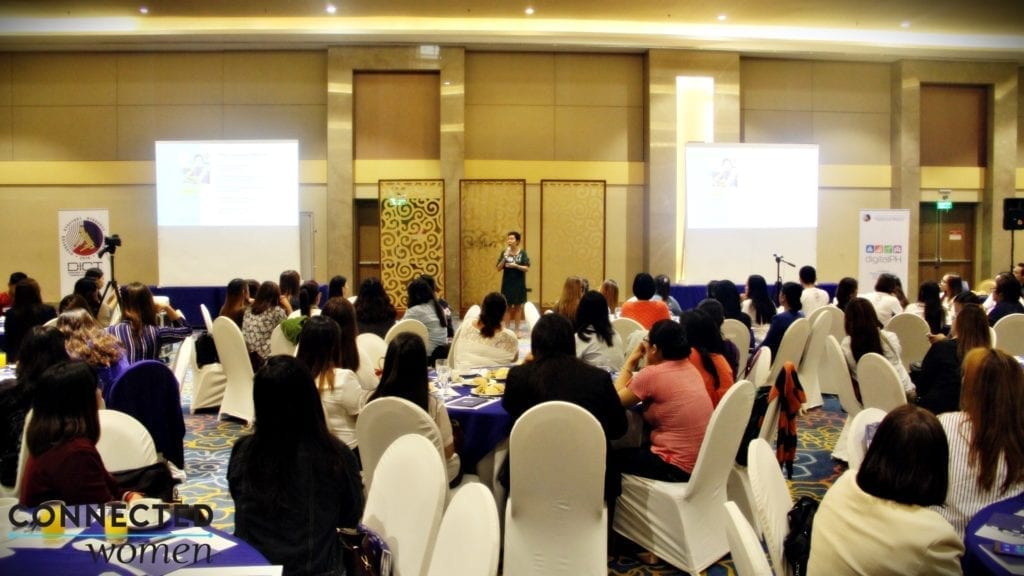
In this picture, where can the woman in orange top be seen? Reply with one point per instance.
(707, 353)
(643, 309)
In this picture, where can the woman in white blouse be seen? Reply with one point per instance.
(340, 393)
(485, 342)
(597, 343)
(864, 334)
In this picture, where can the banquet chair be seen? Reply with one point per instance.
(855, 446)
(182, 358)
(625, 327)
(531, 314)
(51, 323)
(555, 516)
(760, 366)
(234, 358)
(771, 500)
(838, 373)
(912, 332)
(809, 369)
(383, 421)
(879, 384)
(791, 349)
(738, 484)
(838, 330)
(371, 349)
(736, 332)
(207, 319)
(208, 384)
(125, 444)
(683, 523)
(148, 391)
(1010, 334)
(469, 539)
(470, 317)
(280, 344)
(407, 325)
(744, 545)
(404, 505)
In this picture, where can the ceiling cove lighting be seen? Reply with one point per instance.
(529, 10)
(330, 9)
(722, 17)
(143, 10)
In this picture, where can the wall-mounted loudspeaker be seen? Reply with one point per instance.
(1013, 214)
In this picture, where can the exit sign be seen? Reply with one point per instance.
(944, 205)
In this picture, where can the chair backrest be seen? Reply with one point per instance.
(747, 555)
(234, 359)
(404, 505)
(371, 349)
(22, 456)
(721, 440)
(407, 325)
(855, 446)
(52, 322)
(280, 344)
(762, 364)
(183, 358)
(838, 321)
(556, 496)
(469, 540)
(737, 332)
(124, 442)
(625, 327)
(207, 319)
(879, 383)
(810, 364)
(148, 391)
(383, 421)
(791, 349)
(531, 314)
(912, 332)
(772, 501)
(839, 374)
(1009, 332)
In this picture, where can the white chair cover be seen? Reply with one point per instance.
(855, 447)
(51, 323)
(384, 420)
(912, 332)
(879, 383)
(762, 363)
(738, 487)
(404, 505)
(737, 332)
(838, 330)
(1010, 334)
(279, 344)
(556, 521)
(183, 357)
(207, 319)
(208, 384)
(771, 500)
(791, 349)
(684, 523)
(124, 442)
(625, 327)
(371, 350)
(838, 373)
(469, 540)
(234, 358)
(407, 325)
(809, 369)
(745, 546)
(531, 314)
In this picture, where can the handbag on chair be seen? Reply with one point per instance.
(364, 552)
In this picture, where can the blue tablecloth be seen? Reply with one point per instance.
(482, 428)
(979, 561)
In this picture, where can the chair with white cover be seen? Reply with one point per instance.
(124, 444)
(879, 383)
(625, 327)
(407, 325)
(51, 323)
(771, 500)
(791, 349)
(838, 331)
(371, 349)
(469, 519)
(760, 366)
(280, 344)
(183, 356)
(912, 332)
(234, 358)
(207, 319)
(556, 521)
(405, 504)
(738, 486)
(855, 446)
(1010, 334)
(684, 523)
(837, 372)
(809, 369)
(208, 384)
(737, 332)
(383, 421)
(530, 314)
(744, 545)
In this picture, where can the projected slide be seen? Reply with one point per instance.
(226, 209)
(744, 204)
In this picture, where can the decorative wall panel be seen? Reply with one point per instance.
(489, 210)
(411, 234)
(572, 235)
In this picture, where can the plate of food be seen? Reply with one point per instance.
(500, 374)
(487, 388)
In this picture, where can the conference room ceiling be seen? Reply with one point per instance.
(833, 29)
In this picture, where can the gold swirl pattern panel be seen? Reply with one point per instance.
(572, 234)
(411, 234)
(489, 210)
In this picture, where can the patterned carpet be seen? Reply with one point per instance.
(208, 444)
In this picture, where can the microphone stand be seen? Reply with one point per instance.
(779, 261)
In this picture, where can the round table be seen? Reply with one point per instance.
(978, 555)
(482, 427)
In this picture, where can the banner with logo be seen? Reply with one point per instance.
(80, 234)
(884, 237)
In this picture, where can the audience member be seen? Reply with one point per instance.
(951, 285)
(864, 334)
(27, 311)
(309, 298)
(108, 297)
(884, 298)
(424, 307)
(663, 290)
(86, 289)
(597, 343)
(338, 286)
(572, 291)
(1006, 296)
(846, 290)
(485, 342)
(707, 353)
(610, 291)
(85, 340)
(938, 381)
(812, 297)
(929, 307)
(138, 330)
(340, 393)
(441, 301)
(715, 311)
(645, 310)
(790, 301)
(758, 305)
(343, 312)
(289, 283)
(236, 302)
(374, 311)
(268, 309)
(7, 298)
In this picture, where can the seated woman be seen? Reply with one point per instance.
(86, 341)
(951, 285)
(289, 282)
(986, 438)
(572, 291)
(441, 302)
(268, 310)
(341, 311)
(342, 396)
(707, 353)
(338, 286)
(885, 299)
(42, 347)
(1006, 296)
(864, 334)
(374, 310)
(714, 310)
(938, 381)
(677, 406)
(846, 290)
(405, 376)
(292, 463)
(791, 305)
(876, 520)
(309, 298)
(236, 302)
(87, 290)
(27, 311)
(610, 291)
(597, 343)
(486, 342)
(424, 307)
(63, 463)
(758, 305)
(663, 288)
(645, 310)
(929, 307)
(138, 330)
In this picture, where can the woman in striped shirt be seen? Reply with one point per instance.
(138, 330)
(986, 438)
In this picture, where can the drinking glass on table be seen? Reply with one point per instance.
(115, 521)
(51, 519)
(443, 375)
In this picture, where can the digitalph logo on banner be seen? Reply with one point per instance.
(883, 253)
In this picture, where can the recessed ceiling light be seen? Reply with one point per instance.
(529, 10)
(905, 24)
(143, 10)
(330, 9)
(722, 17)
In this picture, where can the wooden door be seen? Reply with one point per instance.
(368, 239)
(946, 244)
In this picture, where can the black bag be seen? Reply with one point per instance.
(206, 351)
(797, 546)
(364, 553)
(155, 481)
(754, 423)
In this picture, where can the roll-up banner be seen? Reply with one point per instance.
(884, 238)
(80, 235)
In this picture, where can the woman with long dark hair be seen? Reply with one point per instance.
(342, 396)
(138, 330)
(424, 307)
(289, 283)
(929, 307)
(707, 353)
(759, 306)
(309, 298)
(864, 334)
(269, 309)
(938, 382)
(27, 311)
(338, 286)
(374, 310)
(846, 290)
(341, 311)
(486, 342)
(236, 302)
(293, 483)
(951, 285)
(597, 343)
